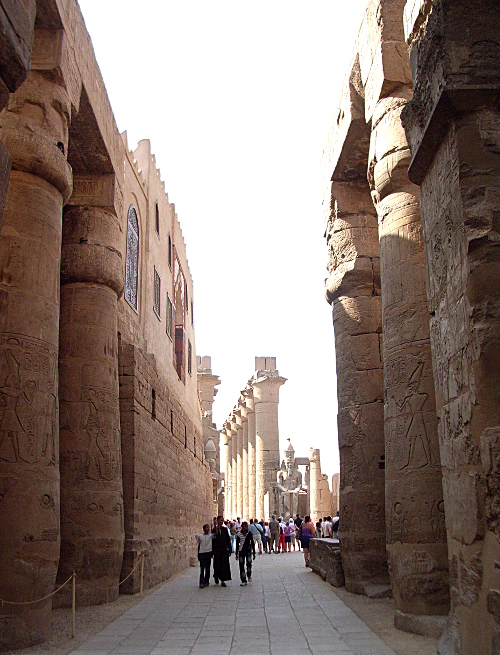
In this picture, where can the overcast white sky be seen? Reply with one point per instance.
(237, 99)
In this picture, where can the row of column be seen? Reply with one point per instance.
(251, 439)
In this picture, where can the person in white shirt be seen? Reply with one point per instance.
(205, 555)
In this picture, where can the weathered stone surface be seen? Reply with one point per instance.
(325, 560)
(30, 251)
(452, 127)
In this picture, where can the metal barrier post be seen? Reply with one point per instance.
(142, 573)
(73, 605)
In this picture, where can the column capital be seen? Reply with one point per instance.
(248, 399)
(266, 386)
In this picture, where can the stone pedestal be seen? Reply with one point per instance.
(416, 538)
(244, 420)
(265, 385)
(353, 289)
(92, 530)
(30, 250)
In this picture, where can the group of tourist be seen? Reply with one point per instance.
(244, 538)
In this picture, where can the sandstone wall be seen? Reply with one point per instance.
(167, 485)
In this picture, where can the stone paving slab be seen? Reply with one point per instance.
(286, 608)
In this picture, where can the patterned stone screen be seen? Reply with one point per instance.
(132, 266)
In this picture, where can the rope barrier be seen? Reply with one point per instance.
(73, 579)
(38, 600)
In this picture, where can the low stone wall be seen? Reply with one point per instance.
(325, 560)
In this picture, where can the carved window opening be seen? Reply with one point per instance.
(170, 317)
(185, 437)
(179, 319)
(153, 404)
(192, 313)
(132, 258)
(169, 251)
(157, 293)
(190, 354)
(172, 421)
(157, 218)
(186, 296)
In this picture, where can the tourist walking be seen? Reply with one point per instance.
(307, 532)
(297, 522)
(232, 532)
(245, 552)
(256, 531)
(282, 534)
(292, 532)
(221, 547)
(205, 555)
(288, 536)
(274, 534)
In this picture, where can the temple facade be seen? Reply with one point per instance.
(101, 437)
(411, 196)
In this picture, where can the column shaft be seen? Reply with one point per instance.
(228, 474)
(92, 534)
(252, 509)
(246, 509)
(353, 288)
(414, 496)
(239, 466)
(234, 470)
(30, 253)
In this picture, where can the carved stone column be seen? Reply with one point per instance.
(92, 530)
(353, 289)
(239, 461)
(234, 470)
(244, 420)
(416, 539)
(314, 486)
(249, 402)
(228, 482)
(17, 22)
(265, 385)
(455, 144)
(34, 128)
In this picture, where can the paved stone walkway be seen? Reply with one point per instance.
(285, 610)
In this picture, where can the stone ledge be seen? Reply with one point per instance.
(427, 626)
(325, 561)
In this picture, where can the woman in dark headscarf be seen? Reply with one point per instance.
(221, 546)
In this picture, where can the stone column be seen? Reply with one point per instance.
(228, 474)
(265, 385)
(16, 41)
(239, 461)
(249, 402)
(353, 289)
(244, 421)
(314, 486)
(234, 470)
(455, 146)
(35, 122)
(92, 530)
(414, 496)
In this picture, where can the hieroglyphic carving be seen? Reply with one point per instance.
(28, 405)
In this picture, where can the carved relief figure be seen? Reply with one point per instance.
(15, 443)
(413, 450)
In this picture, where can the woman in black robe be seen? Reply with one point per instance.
(221, 547)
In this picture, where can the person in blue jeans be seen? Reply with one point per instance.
(205, 555)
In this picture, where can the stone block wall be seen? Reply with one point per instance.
(325, 560)
(166, 482)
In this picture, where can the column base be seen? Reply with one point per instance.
(425, 625)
